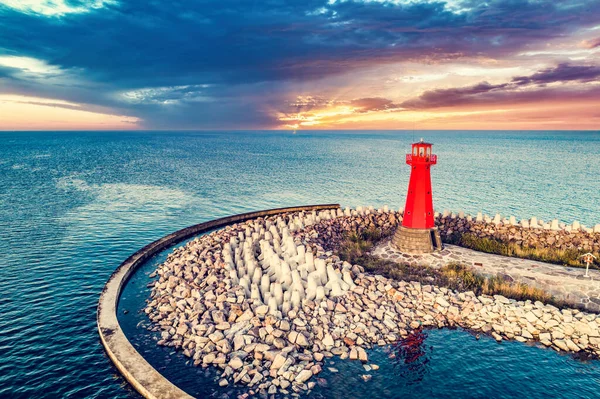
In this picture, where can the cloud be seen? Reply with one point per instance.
(373, 104)
(52, 114)
(454, 96)
(591, 43)
(520, 89)
(306, 103)
(358, 105)
(564, 72)
(26, 64)
(146, 44)
(55, 8)
(167, 95)
(189, 64)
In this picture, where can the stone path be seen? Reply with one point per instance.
(564, 283)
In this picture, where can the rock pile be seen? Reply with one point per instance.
(266, 301)
(531, 233)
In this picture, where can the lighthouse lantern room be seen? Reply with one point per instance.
(418, 233)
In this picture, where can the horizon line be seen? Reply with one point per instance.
(295, 130)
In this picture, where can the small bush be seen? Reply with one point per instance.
(356, 245)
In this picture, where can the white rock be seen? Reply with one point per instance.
(442, 302)
(261, 310)
(328, 341)
(278, 361)
(303, 376)
(497, 219)
(236, 363)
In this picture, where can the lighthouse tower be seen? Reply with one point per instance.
(418, 234)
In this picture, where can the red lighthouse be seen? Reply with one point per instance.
(418, 233)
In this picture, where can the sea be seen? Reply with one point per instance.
(74, 205)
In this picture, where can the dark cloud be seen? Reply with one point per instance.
(235, 45)
(506, 93)
(372, 104)
(451, 97)
(6, 72)
(562, 73)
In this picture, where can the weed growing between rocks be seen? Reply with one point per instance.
(566, 257)
(356, 247)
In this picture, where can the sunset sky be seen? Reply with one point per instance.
(299, 64)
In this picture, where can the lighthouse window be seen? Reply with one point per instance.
(421, 151)
(415, 151)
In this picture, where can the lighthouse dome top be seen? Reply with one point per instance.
(423, 143)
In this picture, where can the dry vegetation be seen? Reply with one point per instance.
(356, 246)
(566, 257)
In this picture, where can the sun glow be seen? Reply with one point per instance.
(346, 115)
(16, 111)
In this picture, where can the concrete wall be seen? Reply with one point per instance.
(134, 368)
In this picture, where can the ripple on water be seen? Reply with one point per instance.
(70, 218)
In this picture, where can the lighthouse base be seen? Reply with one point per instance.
(417, 241)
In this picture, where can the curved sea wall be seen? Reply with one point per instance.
(531, 233)
(134, 368)
(265, 299)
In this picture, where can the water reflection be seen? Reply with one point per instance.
(411, 356)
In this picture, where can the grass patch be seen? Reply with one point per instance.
(356, 246)
(565, 257)
(462, 277)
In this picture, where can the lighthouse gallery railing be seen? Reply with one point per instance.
(431, 159)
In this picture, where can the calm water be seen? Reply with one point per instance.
(74, 205)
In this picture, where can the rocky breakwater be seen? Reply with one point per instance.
(531, 233)
(265, 302)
